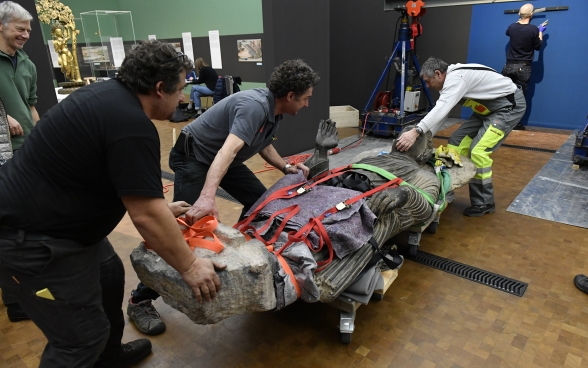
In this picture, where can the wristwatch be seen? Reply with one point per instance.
(419, 130)
(285, 169)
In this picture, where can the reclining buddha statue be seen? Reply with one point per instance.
(310, 238)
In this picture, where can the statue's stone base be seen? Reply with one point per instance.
(247, 284)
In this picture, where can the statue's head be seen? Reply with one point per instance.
(421, 150)
(57, 31)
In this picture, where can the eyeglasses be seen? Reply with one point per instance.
(180, 54)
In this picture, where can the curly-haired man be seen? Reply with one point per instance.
(92, 158)
(210, 152)
(211, 149)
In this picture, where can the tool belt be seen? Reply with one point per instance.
(184, 144)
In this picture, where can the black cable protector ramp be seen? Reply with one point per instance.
(471, 273)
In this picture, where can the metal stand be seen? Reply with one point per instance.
(386, 122)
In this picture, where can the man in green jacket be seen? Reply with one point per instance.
(18, 75)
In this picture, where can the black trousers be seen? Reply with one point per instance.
(519, 74)
(84, 323)
(190, 175)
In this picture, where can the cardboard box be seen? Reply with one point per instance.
(345, 116)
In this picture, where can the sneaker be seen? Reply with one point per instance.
(15, 313)
(478, 211)
(133, 352)
(581, 283)
(145, 317)
(519, 127)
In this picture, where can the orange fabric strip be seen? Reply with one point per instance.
(288, 270)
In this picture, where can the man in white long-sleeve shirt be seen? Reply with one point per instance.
(497, 104)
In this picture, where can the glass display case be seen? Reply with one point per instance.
(108, 36)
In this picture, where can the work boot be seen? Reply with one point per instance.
(15, 313)
(581, 283)
(145, 317)
(478, 211)
(133, 352)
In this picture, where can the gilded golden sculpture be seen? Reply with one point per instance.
(63, 29)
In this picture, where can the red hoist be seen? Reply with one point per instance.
(416, 11)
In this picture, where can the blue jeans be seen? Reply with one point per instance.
(84, 324)
(197, 91)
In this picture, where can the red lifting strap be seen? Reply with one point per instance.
(314, 224)
(288, 192)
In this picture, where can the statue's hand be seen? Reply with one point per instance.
(327, 135)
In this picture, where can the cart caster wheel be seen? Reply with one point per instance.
(413, 249)
(345, 338)
(432, 228)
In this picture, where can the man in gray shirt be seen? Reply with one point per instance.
(210, 152)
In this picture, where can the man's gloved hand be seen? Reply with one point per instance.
(455, 156)
(448, 156)
(439, 152)
(542, 27)
(444, 162)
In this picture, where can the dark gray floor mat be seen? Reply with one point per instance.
(558, 192)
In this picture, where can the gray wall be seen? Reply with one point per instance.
(299, 30)
(362, 37)
(37, 51)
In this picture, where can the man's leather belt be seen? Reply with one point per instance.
(184, 143)
(518, 62)
(14, 234)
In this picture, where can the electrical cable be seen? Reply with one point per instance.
(292, 160)
(166, 187)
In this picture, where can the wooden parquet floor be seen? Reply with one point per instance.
(427, 318)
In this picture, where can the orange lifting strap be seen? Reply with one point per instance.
(195, 235)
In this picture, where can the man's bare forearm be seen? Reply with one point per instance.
(272, 157)
(220, 165)
(35, 114)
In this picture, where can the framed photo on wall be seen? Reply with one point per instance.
(249, 50)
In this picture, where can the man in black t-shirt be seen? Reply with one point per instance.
(525, 38)
(93, 157)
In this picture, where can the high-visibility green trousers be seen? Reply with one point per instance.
(478, 137)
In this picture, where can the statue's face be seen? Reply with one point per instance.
(14, 35)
